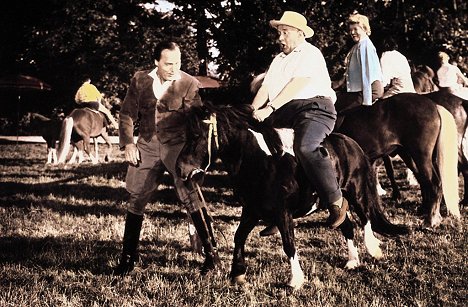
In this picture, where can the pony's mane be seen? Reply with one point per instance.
(233, 118)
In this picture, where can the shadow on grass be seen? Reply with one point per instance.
(97, 257)
(68, 184)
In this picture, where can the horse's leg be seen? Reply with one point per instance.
(431, 187)
(96, 147)
(76, 151)
(286, 227)
(106, 138)
(464, 171)
(380, 190)
(371, 242)
(411, 178)
(86, 145)
(238, 268)
(347, 229)
(49, 155)
(391, 176)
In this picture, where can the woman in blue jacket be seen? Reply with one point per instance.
(364, 81)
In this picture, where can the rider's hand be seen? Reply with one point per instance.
(262, 114)
(132, 155)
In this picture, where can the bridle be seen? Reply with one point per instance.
(212, 133)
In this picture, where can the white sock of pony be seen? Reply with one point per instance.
(297, 275)
(353, 255)
(371, 242)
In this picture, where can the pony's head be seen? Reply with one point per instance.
(220, 130)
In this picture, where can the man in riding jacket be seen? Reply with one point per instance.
(157, 99)
(296, 93)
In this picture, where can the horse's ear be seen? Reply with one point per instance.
(202, 111)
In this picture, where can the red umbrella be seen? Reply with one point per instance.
(21, 83)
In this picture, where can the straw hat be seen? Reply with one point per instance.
(295, 20)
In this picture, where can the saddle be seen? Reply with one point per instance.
(287, 139)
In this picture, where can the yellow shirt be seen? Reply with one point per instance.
(87, 93)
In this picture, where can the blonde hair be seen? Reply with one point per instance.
(444, 57)
(362, 20)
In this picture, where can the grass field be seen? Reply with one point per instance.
(61, 230)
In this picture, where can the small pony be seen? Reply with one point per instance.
(49, 129)
(272, 186)
(78, 128)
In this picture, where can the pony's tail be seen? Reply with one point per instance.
(65, 138)
(447, 160)
(375, 211)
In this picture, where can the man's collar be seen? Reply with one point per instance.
(153, 74)
(297, 49)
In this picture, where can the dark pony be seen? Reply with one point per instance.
(79, 127)
(272, 187)
(423, 134)
(49, 129)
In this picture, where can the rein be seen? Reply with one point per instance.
(212, 132)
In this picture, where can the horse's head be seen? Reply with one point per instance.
(201, 143)
(209, 130)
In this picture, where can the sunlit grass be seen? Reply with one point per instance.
(61, 230)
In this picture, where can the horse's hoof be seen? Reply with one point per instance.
(377, 254)
(239, 280)
(381, 190)
(352, 264)
(433, 222)
(296, 283)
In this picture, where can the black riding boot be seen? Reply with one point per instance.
(131, 238)
(202, 221)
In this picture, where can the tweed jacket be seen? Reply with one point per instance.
(163, 117)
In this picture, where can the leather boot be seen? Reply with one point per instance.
(337, 214)
(131, 238)
(202, 221)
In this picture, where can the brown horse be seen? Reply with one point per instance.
(423, 134)
(458, 108)
(79, 127)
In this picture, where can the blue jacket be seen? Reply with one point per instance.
(363, 68)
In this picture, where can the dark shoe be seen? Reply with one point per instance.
(211, 262)
(337, 214)
(269, 231)
(125, 266)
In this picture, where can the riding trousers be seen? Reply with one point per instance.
(347, 101)
(312, 121)
(143, 179)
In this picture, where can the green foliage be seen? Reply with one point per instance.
(112, 39)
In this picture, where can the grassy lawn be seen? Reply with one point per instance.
(61, 229)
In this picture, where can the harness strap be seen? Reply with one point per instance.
(212, 132)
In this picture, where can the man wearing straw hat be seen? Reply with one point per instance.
(296, 93)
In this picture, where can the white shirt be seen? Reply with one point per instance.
(395, 66)
(160, 88)
(448, 76)
(305, 60)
